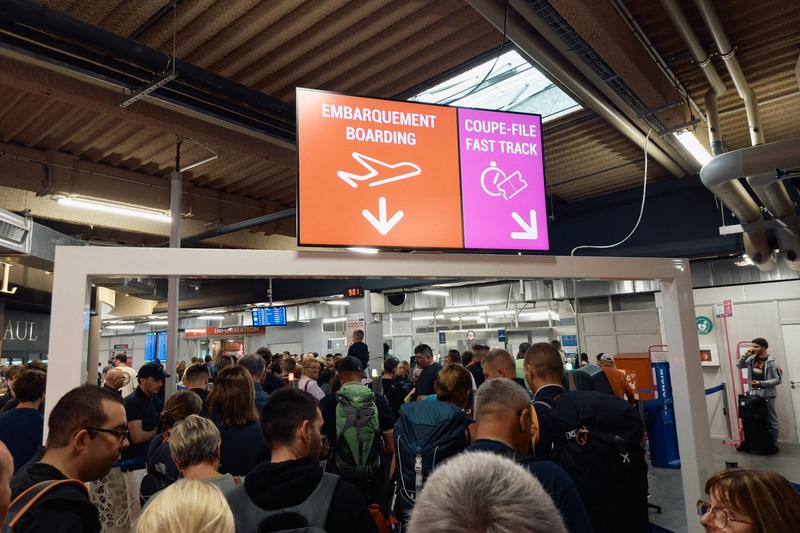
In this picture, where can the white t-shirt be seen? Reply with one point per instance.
(310, 386)
(130, 380)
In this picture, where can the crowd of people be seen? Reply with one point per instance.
(279, 442)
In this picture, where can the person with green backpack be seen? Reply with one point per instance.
(358, 426)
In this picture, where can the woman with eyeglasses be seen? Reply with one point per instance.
(749, 501)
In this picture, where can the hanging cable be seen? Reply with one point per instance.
(491, 70)
(641, 209)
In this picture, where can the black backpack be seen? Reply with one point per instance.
(28, 499)
(598, 441)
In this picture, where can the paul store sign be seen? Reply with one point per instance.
(25, 332)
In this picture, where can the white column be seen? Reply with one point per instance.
(173, 285)
(69, 327)
(93, 348)
(691, 416)
(373, 331)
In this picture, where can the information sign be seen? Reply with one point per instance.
(396, 174)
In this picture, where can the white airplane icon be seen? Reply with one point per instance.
(370, 163)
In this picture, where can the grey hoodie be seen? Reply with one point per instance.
(772, 375)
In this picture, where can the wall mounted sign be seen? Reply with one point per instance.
(393, 174)
(725, 309)
(708, 356)
(224, 332)
(704, 325)
(121, 346)
(354, 322)
(25, 332)
(4, 288)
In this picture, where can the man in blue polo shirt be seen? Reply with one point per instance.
(143, 408)
(502, 410)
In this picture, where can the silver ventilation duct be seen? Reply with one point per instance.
(769, 189)
(759, 162)
(729, 191)
(31, 244)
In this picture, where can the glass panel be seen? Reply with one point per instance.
(507, 82)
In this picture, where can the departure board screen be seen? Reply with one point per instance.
(269, 316)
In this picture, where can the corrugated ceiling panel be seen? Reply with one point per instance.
(381, 48)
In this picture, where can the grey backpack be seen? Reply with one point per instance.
(313, 511)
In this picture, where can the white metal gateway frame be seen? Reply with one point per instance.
(75, 267)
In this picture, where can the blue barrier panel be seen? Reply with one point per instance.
(662, 432)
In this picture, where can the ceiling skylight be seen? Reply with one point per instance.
(507, 83)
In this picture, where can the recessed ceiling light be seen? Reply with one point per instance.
(436, 293)
(466, 309)
(114, 208)
(693, 146)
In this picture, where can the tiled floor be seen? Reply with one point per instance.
(666, 488)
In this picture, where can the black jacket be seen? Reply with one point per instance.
(275, 486)
(67, 509)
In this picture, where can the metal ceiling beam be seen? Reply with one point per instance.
(542, 54)
(606, 79)
(65, 85)
(152, 21)
(24, 168)
(237, 226)
(37, 31)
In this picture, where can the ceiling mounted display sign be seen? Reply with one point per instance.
(392, 174)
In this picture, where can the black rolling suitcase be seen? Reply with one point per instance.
(757, 431)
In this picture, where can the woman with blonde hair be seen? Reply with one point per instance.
(454, 385)
(195, 446)
(232, 407)
(161, 470)
(308, 382)
(749, 501)
(187, 506)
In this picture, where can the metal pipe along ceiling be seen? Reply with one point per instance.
(769, 189)
(728, 190)
(757, 161)
(542, 55)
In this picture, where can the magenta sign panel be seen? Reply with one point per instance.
(502, 180)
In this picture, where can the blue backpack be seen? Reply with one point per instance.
(427, 433)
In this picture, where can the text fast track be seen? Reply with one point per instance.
(409, 175)
(504, 147)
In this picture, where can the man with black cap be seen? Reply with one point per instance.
(142, 408)
(352, 394)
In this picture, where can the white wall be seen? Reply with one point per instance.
(759, 310)
(619, 332)
(310, 335)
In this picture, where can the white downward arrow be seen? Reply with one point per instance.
(531, 231)
(381, 224)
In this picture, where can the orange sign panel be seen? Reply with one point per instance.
(376, 173)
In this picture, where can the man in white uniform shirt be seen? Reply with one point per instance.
(130, 375)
